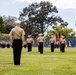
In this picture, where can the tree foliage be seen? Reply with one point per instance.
(2, 27)
(38, 17)
(8, 28)
(59, 30)
(9, 23)
(10, 20)
(64, 24)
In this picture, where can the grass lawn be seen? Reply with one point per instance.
(34, 63)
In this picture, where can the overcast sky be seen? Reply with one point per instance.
(66, 8)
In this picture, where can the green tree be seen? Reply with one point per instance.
(64, 24)
(8, 28)
(9, 23)
(10, 20)
(39, 17)
(59, 30)
(29, 29)
(2, 27)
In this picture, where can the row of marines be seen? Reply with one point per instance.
(40, 42)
